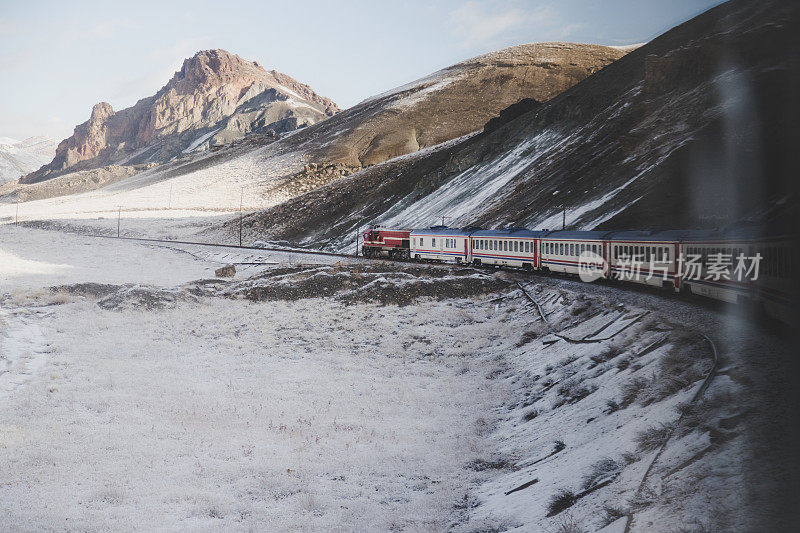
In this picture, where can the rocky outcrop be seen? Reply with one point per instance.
(216, 97)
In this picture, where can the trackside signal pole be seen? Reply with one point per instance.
(563, 216)
(119, 214)
(241, 200)
(16, 217)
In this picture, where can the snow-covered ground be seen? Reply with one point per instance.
(136, 397)
(17, 158)
(208, 188)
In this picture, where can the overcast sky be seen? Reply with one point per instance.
(57, 59)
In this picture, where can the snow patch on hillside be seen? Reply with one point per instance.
(18, 158)
(470, 192)
(200, 140)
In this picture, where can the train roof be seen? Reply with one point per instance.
(671, 235)
(443, 230)
(593, 235)
(523, 233)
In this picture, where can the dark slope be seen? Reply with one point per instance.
(696, 128)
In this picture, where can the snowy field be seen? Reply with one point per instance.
(312, 394)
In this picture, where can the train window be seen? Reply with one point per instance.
(527, 246)
(515, 246)
(505, 246)
(433, 241)
(421, 241)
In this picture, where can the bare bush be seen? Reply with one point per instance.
(632, 389)
(527, 337)
(624, 363)
(653, 437)
(630, 457)
(567, 523)
(530, 415)
(612, 406)
(571, 391)
(611, 514)
(601, 470)
(606, 355)
(563, 499)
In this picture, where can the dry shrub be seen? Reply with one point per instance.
(600, 471)
(527, 337)
(567, 523)
(653, 437)
(632, 389)
(560, 501)
(611, 514)
(530, 415)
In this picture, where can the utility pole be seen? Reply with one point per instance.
(563, 216)
(241, 200)
(16, 217)
(169, 203)
(119, 214)
(357, 230)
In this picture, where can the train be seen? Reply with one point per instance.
(737, 265)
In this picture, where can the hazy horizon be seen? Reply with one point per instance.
(63, 59)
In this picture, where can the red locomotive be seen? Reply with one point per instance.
(379, 242)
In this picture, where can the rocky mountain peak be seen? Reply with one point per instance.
(101, 111)
(214, 67)
(215, 97)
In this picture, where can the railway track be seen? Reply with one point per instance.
(642, 289)
(218, 245)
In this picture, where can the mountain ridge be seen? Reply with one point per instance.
(207, 96)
